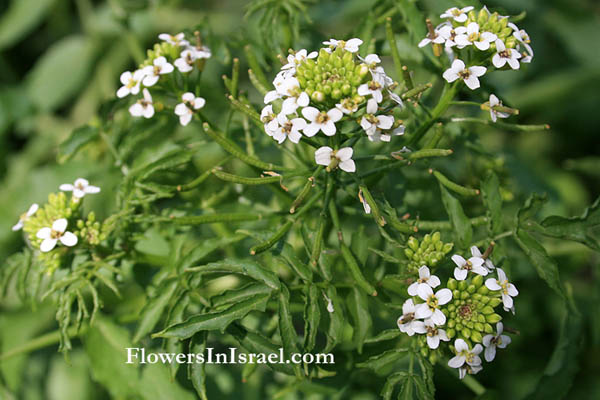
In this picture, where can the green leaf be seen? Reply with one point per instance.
(287, 332)
(492, 199)
(461, 225)
(244, 267)
(312, 317)
(156, 383)
(154, 308)
(563, 365)
(381, 361)
(173, 159)
(545, 266)
(239, 294)
(336, 320)
(256, 343)
(215, 320)
(78, 138)
(359, 310)
(205, 248)
(60, 72)
(387, 334)
(20, 18)
(391, 382)
(197, 371)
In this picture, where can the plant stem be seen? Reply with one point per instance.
(445, 101)
(41, 342)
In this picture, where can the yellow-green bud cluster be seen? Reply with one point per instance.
(162, 49)
(470, 315)
(332, 77)
(492, 23)
(429, 251)
(90, 230)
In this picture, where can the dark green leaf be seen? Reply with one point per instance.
(490, 189)
(359, 310)
(20, 18)
(244, 267)
(78, 138)
(336, 320)
(312, 317)
(196, 371)
(154, 308)
(239, 294)
(381, 361)
(287, 332)
(461, 225)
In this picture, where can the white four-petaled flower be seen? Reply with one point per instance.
(80, 188)
(185, 110)
(143, 107)
(430, 308)
(493, 102)
(321, 121)
(371, 122)
(30, 212)
(465, 355)
(350, 45)
(51, 236)
(269, 119)
(176, 40)
(425, 278)
(186, 60)
(507, 289)
(491, 342)
(160, 66)
(131, 83)
(487, 262)
(434, 334)
(298, 57)
(336, 158)
(473, 264)
(504, 55)
(372, 88)
(288, 129)
(408, 323)
(470, 75)
(472, 35)
(457, 14)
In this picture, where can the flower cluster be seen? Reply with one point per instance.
(463, 311)
(316, 92)
(173, 56)
(430, 251)
(482, 37)
(50, 228)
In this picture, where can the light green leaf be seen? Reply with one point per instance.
(336, 320)
(20, 18)
(197, 371)
(216, 320)
(60, 72)
(239, 294)
(312, 317)
(154, 308)
(78, 138)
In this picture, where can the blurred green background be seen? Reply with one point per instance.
(61, 59)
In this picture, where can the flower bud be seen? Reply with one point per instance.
(488, 328)
(452, 284)
(317, 96)
(471, 289)
(466, 332)
(493, 318)
(483, 290)
(450, 333)
(476, 337)
(462, 285)
(494, 302)
(477, 281)
(487, 310)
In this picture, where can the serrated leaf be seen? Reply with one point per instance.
(381, 361)
(254, 342)
(335, 331)
(461, 225)
(490, 189)
(359, 310)
(154, 309)
(197, 371)
(239, 294)
(60, 72)
(286, 328)
(78, 138)
(215, 320)
(205, 248)
(387, 334)
(244, 267)
(391, 382)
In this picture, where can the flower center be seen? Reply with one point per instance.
(131, 83)
(55, 234)
(322, 118)
(157, 70)
(268, 118)
(373, 85)
(504, 54)
(407, 317)
(473, 37)
(465, 311)
(464, 74)
(504, 285)
(456, 12)
(431, 331)
(469, 356)
(287, 127)
(432, 302)
(372, 119)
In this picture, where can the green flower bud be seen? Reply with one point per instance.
(452, 284)
(450, 333)
(482, 17)
(462, 285)
(493, 318)
(317, 96)
(494, 302)
(451, 324)
(476, 297)
(466, 333)
(487, 310)
(485, 299)
(483, 290)
(477, 281)
(481, 318)
(488, 328)
(471, 288)
(476, 337)
(478, 326)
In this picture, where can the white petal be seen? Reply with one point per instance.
(335, 115)
(460, 345)
(457, 361)
(424, 272)
(310, 113)
(408, 307)
(68, 239)
(47, 245)
(514, 63)
(60, 225)
(385, 122)
(418, 326)
(501, 275)
(505, 341)
(433, 281)
(480, 270)
(423, 311)
(328, 128)
(323, 154)
(181, 109)
(372, 106)
(150, 80)
(122, 92)
(478, 70)
(44, 233)
(311, 130)
(92, 189)
(185, 119)
(17, 226)
(364, 90)
(271, 96)
(294, 136)
(477, 349)
(424, 292)
(433, 342)
(443, 296)
(450, 75)
(507, 301)
(348, 166)
(472, 82)
(460, 274)
(459, 260)
(492, 284)
(148, 111)
(66, 187)
(512, 290)
(303, 100)
(438, 317)
(412, 288)
(344, 153)
(135, 110)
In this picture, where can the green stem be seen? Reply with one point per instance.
(504, 125)
(41, 342)
(445, 101)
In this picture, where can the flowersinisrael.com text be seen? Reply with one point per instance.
(233, 356)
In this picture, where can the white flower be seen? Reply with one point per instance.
(131, 83)
(32, 210)
(298, 57)
(336, 158)
(201, 51)
(491, 342)
(504, 55)
(468, 75)
(58, 232)
(321, 120)
(395, 98)
(379, 136)
(351, 45)
(282, 84)
(487, 262)
(430, 309)
(459, 15)
(473, 264)
(449, 33)
(508, 289)
(425, 278)
(481, 40)
(176, 40)
(494, 101)
(186, 109)
(143, 107)
(437, 38)
(371, 122)
(372, 88)
(434, 334)
(80, 188)
(523, 39)
(269, 119)
(468, 369)
(347, 106)
(291, 104)
(464, 355)
(288, 128)
(407, 322)
(186, 60)
(160, 67)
